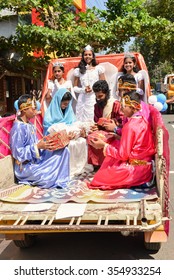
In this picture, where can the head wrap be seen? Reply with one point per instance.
(54, 112)
(29, 104)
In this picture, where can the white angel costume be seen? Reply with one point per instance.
(86, 101)
(85, 104)
(55, 85)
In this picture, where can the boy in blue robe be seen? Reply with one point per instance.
(35, 161)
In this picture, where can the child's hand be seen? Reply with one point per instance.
(93, 127)
(45, 144)
(42, 144)
(71, 135)
(97, 143)
(83, 133)
(88, 89)
(109, 126)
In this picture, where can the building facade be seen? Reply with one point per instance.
(13, 83)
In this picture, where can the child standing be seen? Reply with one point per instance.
(86, 74)
(130, 67)
(56, 82)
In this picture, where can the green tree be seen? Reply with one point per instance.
(158, 49)
(153, 33)
(66, 33)
(163, 8)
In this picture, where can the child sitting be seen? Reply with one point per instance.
(130, 164)
(36, 163)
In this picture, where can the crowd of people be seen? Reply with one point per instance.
(110, 136)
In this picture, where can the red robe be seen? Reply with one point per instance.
(136, 143)
(98, 112)
(117, 115)
(95, 156)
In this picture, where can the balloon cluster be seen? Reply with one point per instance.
(159, 102)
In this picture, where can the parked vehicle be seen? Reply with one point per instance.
(150, 216)
(169, 90)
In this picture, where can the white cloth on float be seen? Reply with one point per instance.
(78, 147)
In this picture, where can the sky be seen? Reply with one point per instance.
(100, 5)
(97, 3)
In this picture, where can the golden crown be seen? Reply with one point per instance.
(29, 104)
(126, 101)
(126, 85)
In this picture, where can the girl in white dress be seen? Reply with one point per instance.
(56, 83)
(86, 74)
(129, 67)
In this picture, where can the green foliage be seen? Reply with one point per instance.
(122, 8)
(159, 71)
(157, 41)
(162, 8)
(66, 33)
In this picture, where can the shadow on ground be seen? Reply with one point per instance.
(82, 246)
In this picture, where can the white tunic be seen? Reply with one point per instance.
(78, 147)
(55, 85)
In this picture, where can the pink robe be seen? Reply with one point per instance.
(117, 115)
(136, 143)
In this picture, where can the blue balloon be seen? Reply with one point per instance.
(38, 105)
(16, 105)
(161, 98)
(165, 106)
